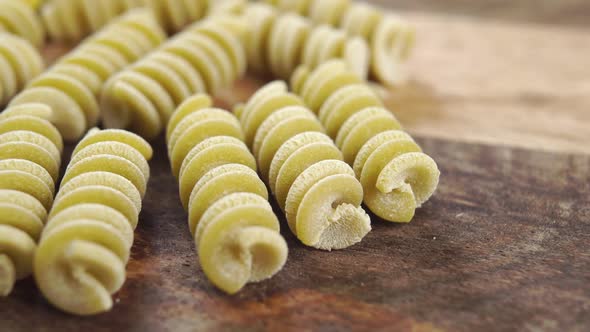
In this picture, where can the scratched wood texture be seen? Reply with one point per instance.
(503, 105)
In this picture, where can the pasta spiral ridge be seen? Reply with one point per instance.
(70, 87)
(20, 62)
(206, 57)
(30, 157)
(390, 37)
(19, 18)
(397, 177)
(72, 20)
(235, 229)
(304, 169)
(281, 42)
(86, 243)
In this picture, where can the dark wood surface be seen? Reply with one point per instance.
(504, 245)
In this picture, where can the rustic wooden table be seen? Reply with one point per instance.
(499, 95)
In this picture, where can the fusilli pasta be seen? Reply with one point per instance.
(71, 85)
(30, 157)
(389, 36)
(86, 244)
(206, 57)
(20, 62)
(19, 18)
(397, 176)
(282, 42)
(235, 229)
(318, 192)
(74, 19)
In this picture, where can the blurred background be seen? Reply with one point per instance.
(503, 72)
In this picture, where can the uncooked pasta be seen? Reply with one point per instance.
(235, 229)
(86, 244)
(205, 58)
(304, 169)
(396, 175)
(30, 157)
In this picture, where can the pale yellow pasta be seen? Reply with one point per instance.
(390, 38)
(81, 258)
(304, 169)
(71, 20)
(30, 156)
(20, 62)
(17, 17)
(205, 58)
(397, 177)
(70, 87)
(280, 43)
(74, 19)
(235, 230)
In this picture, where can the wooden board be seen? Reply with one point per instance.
(503, 245)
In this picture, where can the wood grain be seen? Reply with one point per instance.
(519, 85)
(502, 246)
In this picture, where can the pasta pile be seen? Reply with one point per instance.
(20, 62)
(304, 169)
(396, 175)
(86, 244)
(18, 18)
(72, 85)
(390, 37)
(235, 229)
(74, 19)
(280, 43)
(206, 57)
(30, 157)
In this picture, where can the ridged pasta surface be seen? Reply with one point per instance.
(18, 17)
(205, 58)
(279, 43)
(234, 226)
(30, 157)
(72, 20)
(304, 169)
(390, 38)
(396, 175)
(70, 87)
(86, 244)
(20, 62)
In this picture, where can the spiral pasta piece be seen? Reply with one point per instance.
(86, 244)
(30, 157)
(390, 38)
(70, 87)
(204, 58)
(304, 169)
(72, 20)
(20, 62)
(234, 226)
(282, 42)
(18, 18)
(397, 177)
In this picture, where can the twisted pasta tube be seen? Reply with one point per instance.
(30, 156)
(70, 87)
(280, 43)
(72, 20)
(390, 38)
(396, 175)
(86, 244)
(304, 169)
(18, 18)
(234, 226)
(20, 62)
(206, 57)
